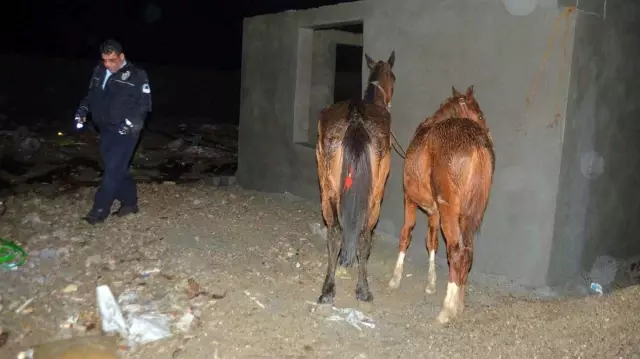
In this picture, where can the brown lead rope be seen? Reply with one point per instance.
(396, 145)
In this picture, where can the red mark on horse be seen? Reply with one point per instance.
(348, 182)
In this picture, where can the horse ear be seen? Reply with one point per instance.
(392, 58)
(469, 93)
(455, 92)
(370, 63)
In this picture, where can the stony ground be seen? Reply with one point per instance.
(259, 264)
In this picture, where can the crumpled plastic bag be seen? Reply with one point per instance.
(148, 327)
(139, 328)
(352, 316)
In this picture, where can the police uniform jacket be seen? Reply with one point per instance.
(126, 95)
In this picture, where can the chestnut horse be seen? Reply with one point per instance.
(448, 172)
(353, 155)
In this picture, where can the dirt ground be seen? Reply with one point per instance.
(258, 252)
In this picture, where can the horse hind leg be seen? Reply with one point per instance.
(457, 254)
(363, 293)
(410, 208)
(432, 248)
(365, 241)
(331, 232)
(333, 238)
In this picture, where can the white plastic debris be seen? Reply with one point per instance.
(604, 270)
(139, 328)
(27, 354)
(24, 305)
(110, 313)
(352, 316)
(596, 288)
(148, 327)
(254, 299)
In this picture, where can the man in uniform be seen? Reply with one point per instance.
(119, 98)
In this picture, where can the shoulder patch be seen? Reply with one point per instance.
(146, 88)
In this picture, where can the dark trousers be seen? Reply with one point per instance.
(117, 183)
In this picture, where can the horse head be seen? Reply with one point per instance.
(463, 106)
(381, 81)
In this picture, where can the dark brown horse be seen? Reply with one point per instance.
(448, 172)
(353, 154)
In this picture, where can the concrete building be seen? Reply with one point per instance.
(564, 135)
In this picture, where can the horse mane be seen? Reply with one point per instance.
(373, 76)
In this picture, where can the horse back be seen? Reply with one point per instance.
(334, 120)
(378, 124)
(448, 144)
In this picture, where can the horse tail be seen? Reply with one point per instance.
(476, 194)
(356, 180)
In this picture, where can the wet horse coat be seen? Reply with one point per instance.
(448, 172)
(353, 155)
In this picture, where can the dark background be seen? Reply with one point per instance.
(167, 32)
(190, 49)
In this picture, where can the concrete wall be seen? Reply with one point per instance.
(277, 52)
(438, 44)
(598, 200)
(50, 88)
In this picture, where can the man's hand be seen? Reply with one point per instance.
(126, 127)
(80, 121)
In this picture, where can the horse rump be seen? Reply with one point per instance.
(476, 195)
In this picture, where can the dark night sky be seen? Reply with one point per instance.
(188, 32)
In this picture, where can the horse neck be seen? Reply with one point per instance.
(375, 95)
(445, 112)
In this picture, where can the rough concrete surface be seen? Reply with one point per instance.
(598, 199)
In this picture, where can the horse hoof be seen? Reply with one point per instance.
(325, 299)
(364, 296)
(447, 315)
(430, 289)
(394, 283)
(443, 317)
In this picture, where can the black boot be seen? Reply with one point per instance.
(96, 216)
(126, 210)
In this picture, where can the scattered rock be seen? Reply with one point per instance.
(70, 288)
(186, 322)
(49, 253)
(93, 260)
(32, 218)
(193, 288)
(30, 144)
(175, 144)
(4, 338)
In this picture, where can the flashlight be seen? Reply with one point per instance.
(79, 123)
